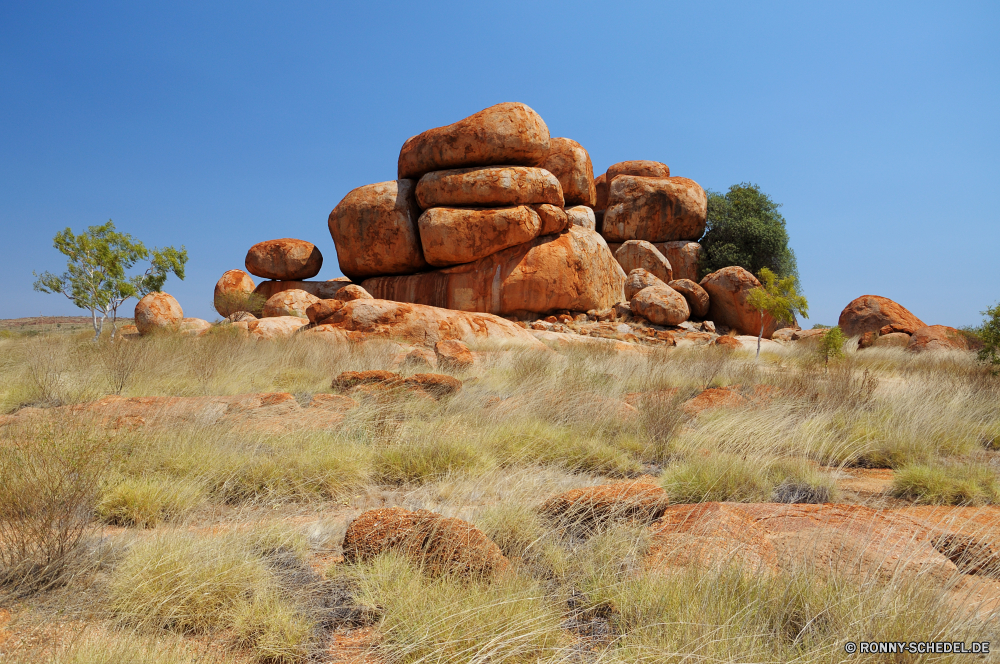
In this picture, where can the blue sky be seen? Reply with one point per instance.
(218, 125)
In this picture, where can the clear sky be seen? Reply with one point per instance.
(220, 124)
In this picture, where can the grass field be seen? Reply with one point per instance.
(211, 542)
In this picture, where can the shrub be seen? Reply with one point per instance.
(724, 477)
(989, 335)
(144, 502)
(952, 485)
(831, 346)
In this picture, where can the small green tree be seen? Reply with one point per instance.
(96, 276)
(831, 345)
(744, 228)
(777, 297)
(989, 334)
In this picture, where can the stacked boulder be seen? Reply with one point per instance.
(488, 214)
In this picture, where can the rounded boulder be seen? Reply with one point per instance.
(636, 254)
(654, 209)
(696, 296)
(571, 164)
(452, 236)
(289, 303)
(727, 291)
(661, 305)
(232, 292)
(286, 259)
(156, 312)
(489, 186)
(640, 167)
(872, 313)
(940, 337)
(639, 279)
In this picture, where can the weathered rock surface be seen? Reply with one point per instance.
(275, 328)
(286, 259)
(636, 254)
(640, 167)
(489, 186)
(324, 290)
(893, 340)
(438, 544)
(601, 192)
(352, 292)
(554, 219)
(320, 310)
(727, 342)
(639, 279)
(417, 323)
(683, 257)
(582, 216)
(696, 296)
(570, 163)
(289, 303)
(157, 312)
(636, 501)
(375, 230)
(939, 337)
(654, 209)
(870, 313)
(507, 133)
(727, 291)
(661, 305)
(193, 327)
(452, 236)
(573, 270)
(232, 292)
(453, 354)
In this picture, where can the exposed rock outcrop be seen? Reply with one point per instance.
(871, 313)
(727, 291)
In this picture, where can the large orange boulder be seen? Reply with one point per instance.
(696, 296)
(871, 313)
(940, 337)
(654, 209)
(437, 544)
(639, 501)
(661, 305)
(289, 303)
(451, 236)
(573, 270)
(324, 290)
(682, 255)
(727, 291)
(583, 216)
(570, 163)
(640, 167)
(489, 186)
(277, 327)
(320, 310)
(375, 230)
(638, 279)
(232, 292)
(420, 324)
(286, 259)
(636, 254)
(158, 311)
(508, 133)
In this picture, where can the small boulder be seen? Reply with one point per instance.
(289, 303)
(639, 501)
(193, 327)
(352, 292)
(232, 292)
(639, 279)
(640, 167)
(730, 343)
(554, 219)
(939, 337)
(636, 254)
(453, 236)
(582, 216)
(348, 380)
(274, 328)
(892, 340)
(870, 313)
(727, 291)
(375, 230)
(319, 311)
(661, 305)
(696, 296)
(489, 186)
(438, 544)
(716, 397)
(508, 133)
(432, 384)
(654, 209)
(454, 355)
(157, 312)
(286, 259)
(570, 163)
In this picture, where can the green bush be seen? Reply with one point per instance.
(989, 334)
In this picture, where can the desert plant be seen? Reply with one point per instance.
(731, 478)
(831, 346)
(144, 502)
(966, 484)
(778, 298)
(989, 334)
(121, 361)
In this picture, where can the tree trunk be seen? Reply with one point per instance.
(760, 336)
(98, 327)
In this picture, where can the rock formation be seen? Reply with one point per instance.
(872, 313)
(286, 259)
(727, 291)
(158, 312)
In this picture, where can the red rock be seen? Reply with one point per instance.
(570, 163)
(452, 236)
(489, 186)
(232, 292)
(157, 312)
(696, 296)
(640, 167)
(636, 254)
(940, 337)
(654, 209)
(683, 257)
(348, 380)
(275, 328)
(573, 271)
(638, 279)
(601, 192)
(554, 219)
(635, 500)
(420, 324)
(508, 133)
(375, 230)
(193, 327)
(438, 544)
(416, 356)
(661, 305)
(453, 354)
(320, 310)
(811, 336)
(716, 397)
(289, 303)
(432, 384)
(352, 292)
(869, 313)
(893, 340)
(727, 291)
(582, 216)
(286, 259)
(727, 342)
(324, 290)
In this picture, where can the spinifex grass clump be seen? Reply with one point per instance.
(965, 484)
(723, 477)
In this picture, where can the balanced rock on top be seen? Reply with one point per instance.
(640, 167)
(654, 209)
(284, 259)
